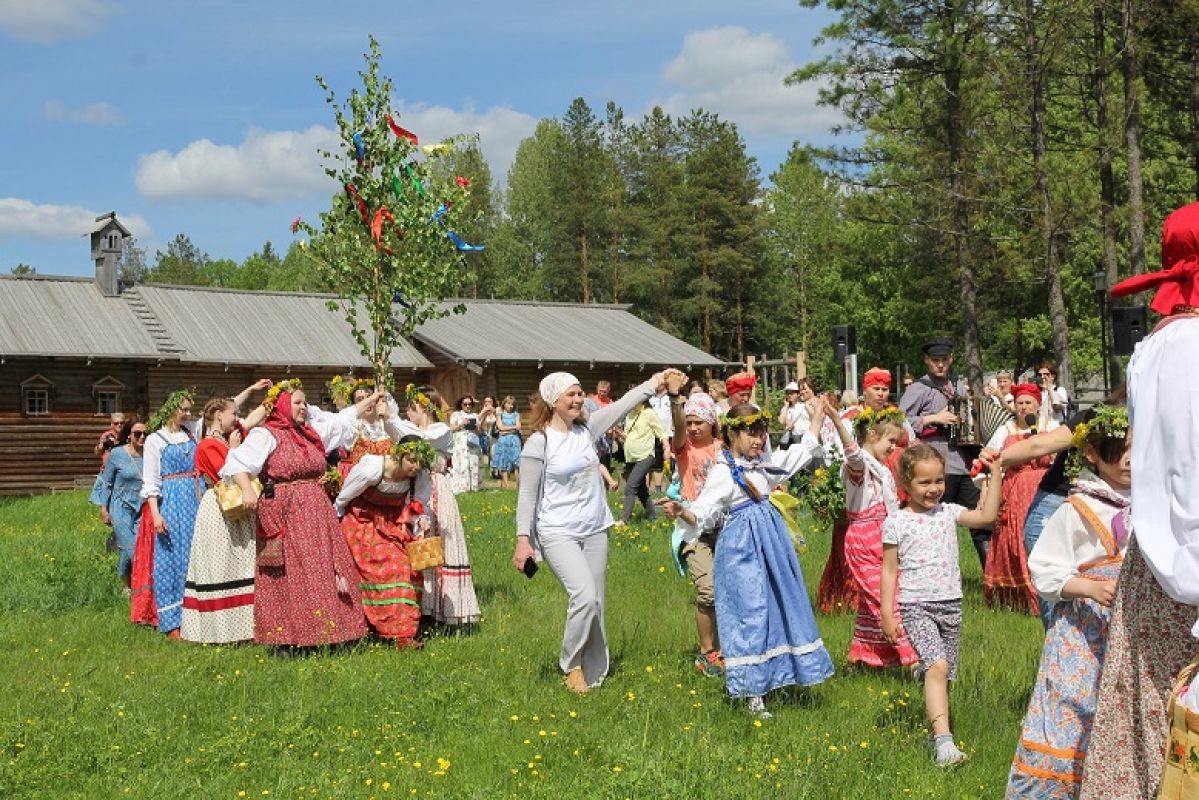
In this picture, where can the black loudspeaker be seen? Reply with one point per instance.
(845, 342)
(1129, 326)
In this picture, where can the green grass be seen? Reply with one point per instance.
(95, 707)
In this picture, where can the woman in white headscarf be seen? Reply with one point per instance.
(562, 511)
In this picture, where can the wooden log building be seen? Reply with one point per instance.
(75, 350)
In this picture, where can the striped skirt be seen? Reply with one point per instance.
(864, 558)
(449, 596)
(218, 598)
(376, 528)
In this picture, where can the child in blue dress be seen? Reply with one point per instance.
(768, 633)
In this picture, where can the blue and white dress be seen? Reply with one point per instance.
(768, 633)
(169, 473)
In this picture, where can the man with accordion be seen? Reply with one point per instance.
(930, 404)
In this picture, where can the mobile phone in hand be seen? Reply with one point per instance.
(530, 567)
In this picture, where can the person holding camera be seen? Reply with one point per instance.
(464, 467)
(110, 438)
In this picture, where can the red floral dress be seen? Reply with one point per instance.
(1006, 581)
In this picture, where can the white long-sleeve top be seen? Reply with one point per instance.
(336, 430)
(721, 493)
(152, 455)
(439, 435)
(368, 473)
(1163, 407)
(867, 482)
(1067, 543)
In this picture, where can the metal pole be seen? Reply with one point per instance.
(1107, 383)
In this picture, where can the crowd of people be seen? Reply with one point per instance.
(319, 554)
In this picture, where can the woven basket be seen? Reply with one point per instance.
(228, 497)
(1180, 775)
(425, 553)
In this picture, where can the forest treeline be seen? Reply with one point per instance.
(1002, 154)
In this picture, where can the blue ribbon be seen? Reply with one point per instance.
(463, 246)
(359, 146)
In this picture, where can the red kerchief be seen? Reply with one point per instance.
(1176, 282)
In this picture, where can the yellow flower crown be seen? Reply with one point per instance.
(412, 395)
(342, 387)
(1112, 420)
(869, 418)
(748, 421)
(272, 394)
(419, 449)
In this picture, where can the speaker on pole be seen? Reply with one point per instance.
(845, 342)
(1130, 324)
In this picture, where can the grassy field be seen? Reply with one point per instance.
(95, 707)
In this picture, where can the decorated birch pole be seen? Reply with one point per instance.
(387, 245)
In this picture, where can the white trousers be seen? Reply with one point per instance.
(581, 565)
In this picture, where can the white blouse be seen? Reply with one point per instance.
(1163, 406)
(1066, 543)
(438, 435)
(368, 473)
(1009, 429)
(721, 493)
(152, 455)
(875, 485)
(336, 430)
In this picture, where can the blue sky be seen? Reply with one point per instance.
(203, 117)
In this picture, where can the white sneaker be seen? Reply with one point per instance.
(757, 707)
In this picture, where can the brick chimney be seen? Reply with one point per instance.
(108, 242)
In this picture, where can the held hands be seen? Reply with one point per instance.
(671, 508)
(673, 379)
(262, 384)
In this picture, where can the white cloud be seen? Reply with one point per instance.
(48, 21)
(275, 166)
(740, 76)
(21, 218)
(99, 114)
(500, 129)
(268, 166)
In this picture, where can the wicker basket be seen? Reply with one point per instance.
(425, 553)
(1180, 775)
(229, 498)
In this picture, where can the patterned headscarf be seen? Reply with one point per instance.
(701, 405)
(554, 385)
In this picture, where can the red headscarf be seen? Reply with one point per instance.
(741, 382)
(1176, 282)
(1026, 390)
(876, 376)
(280, 420)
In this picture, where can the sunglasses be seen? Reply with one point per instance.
(138, 434)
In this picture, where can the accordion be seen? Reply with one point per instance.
(978, 420)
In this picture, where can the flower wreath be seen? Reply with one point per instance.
(413, 395)
(272, 394)
(169, 407)
(418, 449)
(748, 421)
(1112, 420)
(342, 387)
(869, 418)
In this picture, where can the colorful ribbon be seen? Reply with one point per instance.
(399, 298)
(420, 187)
(359, 147)
(461, 181)
(435, 149)
(401, 133)
(463, 246)
(295, 224)
(440, 212)
(384, 213)
(360, 203)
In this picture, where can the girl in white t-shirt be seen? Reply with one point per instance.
(920, 544)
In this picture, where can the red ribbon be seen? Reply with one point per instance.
(461, 181)
(401, 133)
(359, 202)
(377, 223)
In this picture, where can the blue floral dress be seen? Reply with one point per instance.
(506, 450)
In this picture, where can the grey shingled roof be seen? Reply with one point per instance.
(507, 330)
(249, 327)
(53, 316)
